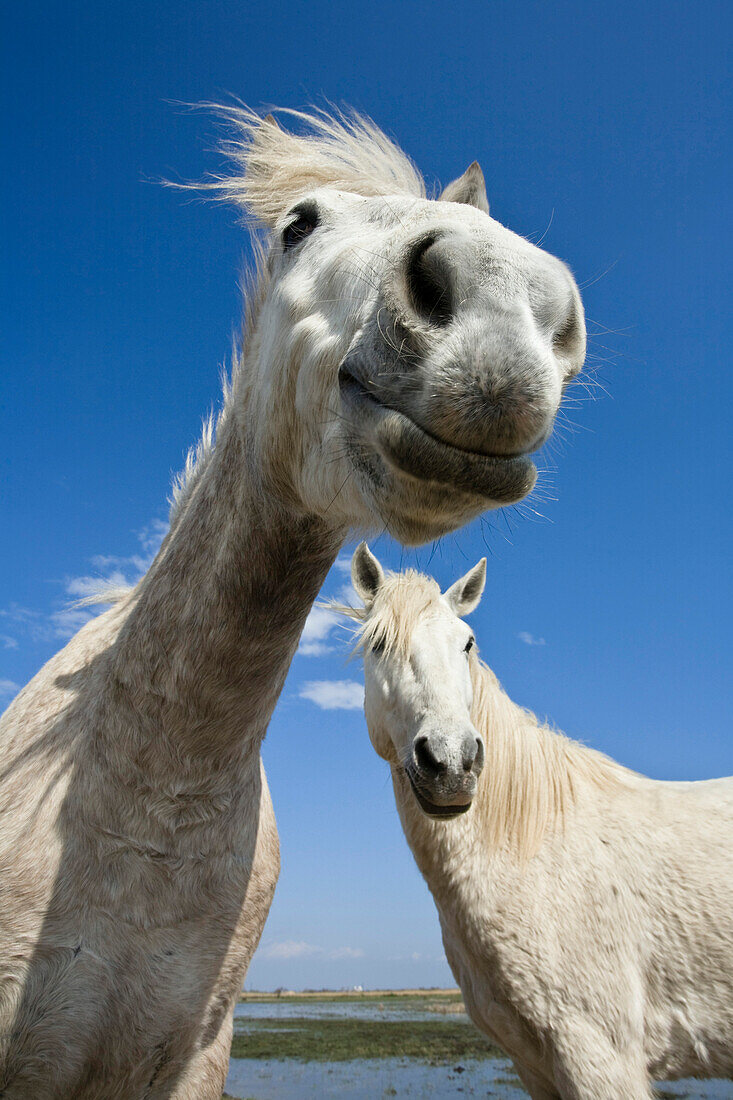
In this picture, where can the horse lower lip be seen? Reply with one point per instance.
(407, 446)
(432, 809)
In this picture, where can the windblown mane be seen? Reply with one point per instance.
(532, 775)
(272, 167)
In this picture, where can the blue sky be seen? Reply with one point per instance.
(605, 128)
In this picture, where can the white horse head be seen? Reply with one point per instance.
(417, 676)
(404, 356)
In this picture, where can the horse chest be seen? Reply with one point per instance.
(151, 959)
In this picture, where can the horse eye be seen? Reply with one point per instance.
(304, 224)
(469, 645)
(378, 648)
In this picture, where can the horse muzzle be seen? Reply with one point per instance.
(443, 772)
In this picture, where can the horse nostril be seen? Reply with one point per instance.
(472, 754)
(426, 758)
(428, 283)
(569, 340)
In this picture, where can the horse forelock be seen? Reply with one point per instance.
(389, 622)
(271, 167)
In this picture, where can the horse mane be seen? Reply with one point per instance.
(533, 774)
(271, 168)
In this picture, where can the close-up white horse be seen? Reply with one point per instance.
(401, 360)
(586, 910)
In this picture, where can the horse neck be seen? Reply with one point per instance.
(214, 624)
(448, 853)
(530, 786)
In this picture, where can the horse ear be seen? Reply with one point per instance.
(465, 595)
(470, 189)
(366, 573)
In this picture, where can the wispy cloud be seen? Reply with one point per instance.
(90, 586)
(35, 626)
(529, 639)
(289, 949)
(151, 537)
(299, 949)
(8, 688)
(27, 622)
(315, 641)
(66, 622)
(318, 626)
(334, 694)
(346, 953)
(343, 563)
(111, 572)
(114, 571)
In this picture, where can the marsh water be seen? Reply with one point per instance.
(374, 1078)
(369, 1079)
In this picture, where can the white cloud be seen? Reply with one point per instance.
(9, 687)
(318, 626)
(290, 949)
(316, 636)
(346, 953)
(44, 628)
(334, 694)
(18, 614)
(114, 572)
(32, 624)
(152, 536)
(529, 639)
(299, 949)
(119, 572)
(314, 649)
(91, 586)
(65, 623)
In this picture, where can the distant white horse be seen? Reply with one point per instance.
(587, 911)
(402, 358)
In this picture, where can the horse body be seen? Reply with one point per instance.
(138, 851)
(607, 958)
(586, 911)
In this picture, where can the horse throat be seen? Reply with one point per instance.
(215, 622)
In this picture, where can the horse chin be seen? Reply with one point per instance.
(430, 469)
(432, 809)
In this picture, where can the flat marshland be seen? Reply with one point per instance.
(375, 1044)
(428, 1026)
